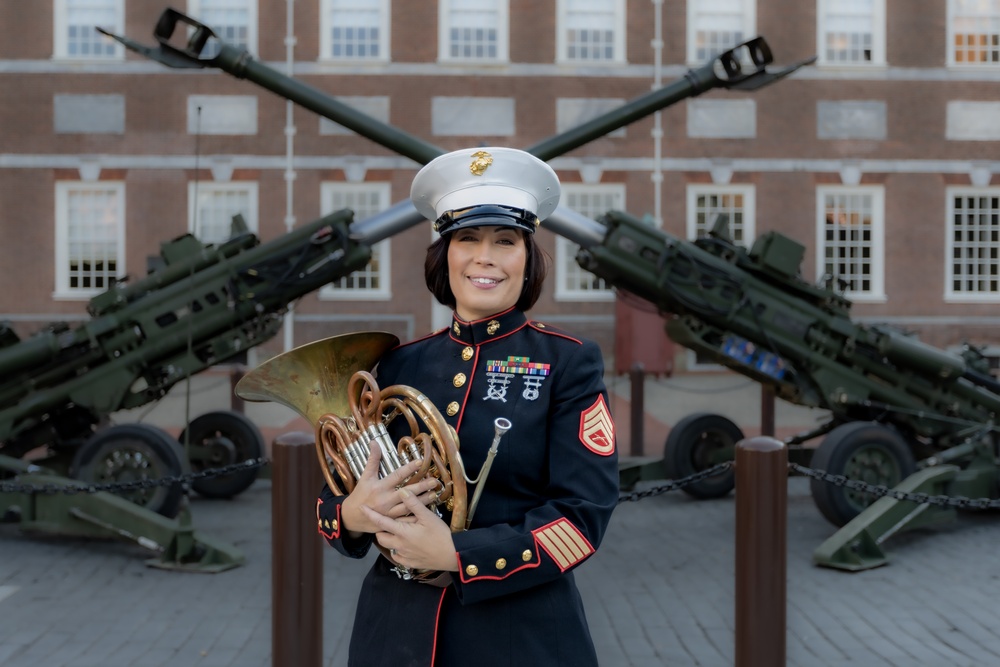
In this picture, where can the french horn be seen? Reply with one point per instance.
(329, 383)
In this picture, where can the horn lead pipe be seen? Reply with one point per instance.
(500, 426)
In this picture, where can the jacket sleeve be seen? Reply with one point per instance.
(330, 526)
(582, 491)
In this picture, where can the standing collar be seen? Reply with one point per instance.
(485, 330)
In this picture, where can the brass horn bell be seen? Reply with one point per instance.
(329, 382)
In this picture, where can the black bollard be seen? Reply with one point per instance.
(761, 552)
(296, 554)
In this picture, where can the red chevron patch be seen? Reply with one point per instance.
(597, 428)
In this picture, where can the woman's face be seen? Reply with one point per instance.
(486, 270)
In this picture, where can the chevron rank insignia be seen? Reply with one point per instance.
(597, 428)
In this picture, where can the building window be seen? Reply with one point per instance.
(572, 282)
(473, 30)
(974, 32)
(90, 237)
(211, 207)
(973, 244)
(366, 200)
(354, 30)
(76, 33)
(736, 202)
(851, 32)
(850, 240)
(590, 31)
(718, 25)
(234, 21)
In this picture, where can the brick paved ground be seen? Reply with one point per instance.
(658, 592)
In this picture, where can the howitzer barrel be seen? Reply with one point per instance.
(38, 349)
(743, 67)
(738, 67)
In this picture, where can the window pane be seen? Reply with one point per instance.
(976, 30)
(82, 38)
(593, 204)
(847, 36)
(718, 26)
(229, 19)
(473, 31)
(215, 209)
(365, 202)
(590, 31)
(975, 256)
(93, 220)
(731, 204)
(355, 28)
(848, 239)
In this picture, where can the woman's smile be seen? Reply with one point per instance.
(486, 270)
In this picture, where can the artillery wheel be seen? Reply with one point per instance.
(132, 452)
(217, 440)
(698, 442)
(863, 451)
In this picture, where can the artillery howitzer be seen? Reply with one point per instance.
(901, 413)
(206, 305)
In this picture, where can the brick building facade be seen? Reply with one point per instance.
(881, 158)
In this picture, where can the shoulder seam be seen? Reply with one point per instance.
(534, 324)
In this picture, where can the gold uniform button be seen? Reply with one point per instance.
(466, 354)
(526, 556)
(452, 409)
(459, 380)
(501, 563)
(333, 524)
(471, 570)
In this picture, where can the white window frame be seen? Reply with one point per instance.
(699, 13)
(446, 13)
(567, 269)
(60, 28)
(876, 293)
(747, 229)
(196, 9)
(950, 295)
(563, 13)
(878, 28)
(954, 10)
(64, 193)
(197, 190)
(381, 251)
(326, 10)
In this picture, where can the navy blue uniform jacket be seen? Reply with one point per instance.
(543, 511)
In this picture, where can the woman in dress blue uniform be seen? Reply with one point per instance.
(507, 594)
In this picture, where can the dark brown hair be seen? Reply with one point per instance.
(436, 272)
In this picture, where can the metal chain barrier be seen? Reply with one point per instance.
(635, 496)
(880, 491)
(675, 484)
(133, 485)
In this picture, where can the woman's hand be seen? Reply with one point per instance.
(420, 540)
(382, 495)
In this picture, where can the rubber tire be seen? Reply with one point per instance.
(685, 452)
(835, 455)
(247, 441)
(158, 449)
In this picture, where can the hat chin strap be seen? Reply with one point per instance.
(487, 215)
